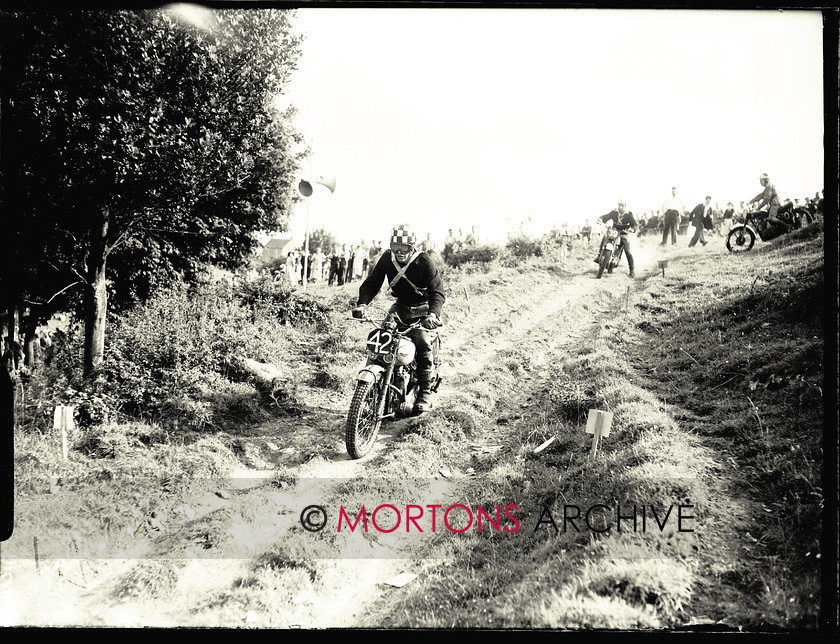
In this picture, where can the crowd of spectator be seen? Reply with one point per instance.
(716, 219)
(346, 263)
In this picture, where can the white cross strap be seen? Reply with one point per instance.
(401, 270)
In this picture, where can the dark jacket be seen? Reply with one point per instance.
(624, 220)
(422, 272)
(696, 216)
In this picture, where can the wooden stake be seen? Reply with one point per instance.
(595, 440)
(35, 547)
(598, 424)
(469, 306)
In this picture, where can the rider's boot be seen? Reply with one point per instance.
(424, 394)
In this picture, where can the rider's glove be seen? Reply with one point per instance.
(359, 312)
(430, 321)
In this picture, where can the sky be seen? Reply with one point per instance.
(510, 119)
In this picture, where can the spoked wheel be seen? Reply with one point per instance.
(362, 424)
(740, 240)
(606, 258)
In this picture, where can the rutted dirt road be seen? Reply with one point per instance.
(545, 314)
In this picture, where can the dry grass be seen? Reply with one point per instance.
(713, 376)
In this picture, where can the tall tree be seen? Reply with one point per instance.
(140, 139)
(323, 239)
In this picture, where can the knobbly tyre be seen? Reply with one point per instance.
(612, 248)
(387, 385)
(741, 236)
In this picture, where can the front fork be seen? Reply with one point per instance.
(385, 391)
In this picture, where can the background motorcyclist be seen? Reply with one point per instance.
(769, 196)
(624, 221)
(415, 282)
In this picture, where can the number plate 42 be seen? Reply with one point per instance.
(379, 341)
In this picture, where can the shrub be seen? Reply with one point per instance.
(522, 246)
(473, 254)
(272, 298)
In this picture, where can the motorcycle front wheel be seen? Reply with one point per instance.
(362, 424)
(740, 240)
(606, 258)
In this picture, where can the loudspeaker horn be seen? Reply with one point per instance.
(329, 183)
(305, 188)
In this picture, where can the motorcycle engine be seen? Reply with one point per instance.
(405, 351)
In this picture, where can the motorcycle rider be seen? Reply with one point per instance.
(626, 223)
(770, 197)
(415, 282)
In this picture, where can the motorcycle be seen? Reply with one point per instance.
(741, 236)
(386, 386)
(612, 249)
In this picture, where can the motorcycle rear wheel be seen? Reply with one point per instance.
(606, 258)
(740, 240)
(362, 424)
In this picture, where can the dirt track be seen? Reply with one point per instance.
(547, 315)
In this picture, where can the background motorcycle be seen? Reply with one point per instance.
(612, 249)
(387, 385)
(741, 237)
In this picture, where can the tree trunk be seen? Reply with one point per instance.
(29, 326)
(266, 378)
(96, 295)
(11, 335)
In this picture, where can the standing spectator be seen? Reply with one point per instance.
(728, 216)
(298, 270)
(342, 265)
(359, 262)
(471, 238)
(318, 260)
(429, 244)
(586, 231)
(374, 254)
(351, 257)
(698, 219)
(290, 268)
(450, 245)
(335, 265)
(306, 267)
(673, 208)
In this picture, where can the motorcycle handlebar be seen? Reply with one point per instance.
(414, 325)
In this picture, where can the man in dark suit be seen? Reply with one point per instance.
(697, 216)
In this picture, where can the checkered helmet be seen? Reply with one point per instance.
(403, 234)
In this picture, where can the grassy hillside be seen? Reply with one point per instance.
(713, 373)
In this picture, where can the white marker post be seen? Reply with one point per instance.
(63, 420)
(598, 424)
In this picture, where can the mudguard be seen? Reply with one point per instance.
(748, 227)
(371, 373)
